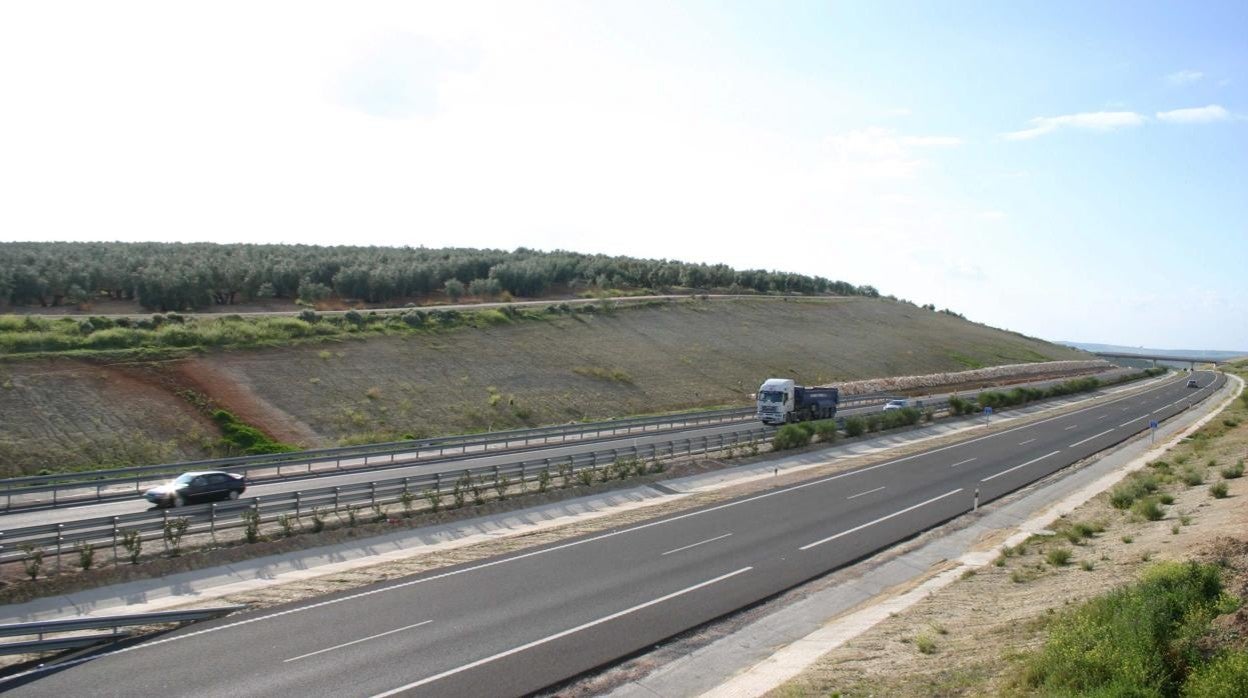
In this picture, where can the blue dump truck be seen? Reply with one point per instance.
(781, 401)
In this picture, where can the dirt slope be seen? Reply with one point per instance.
(576, 367)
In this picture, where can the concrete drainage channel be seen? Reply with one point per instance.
(847, 603)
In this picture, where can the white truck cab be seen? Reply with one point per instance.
(775, 400)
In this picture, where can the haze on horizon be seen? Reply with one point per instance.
(1068, 171)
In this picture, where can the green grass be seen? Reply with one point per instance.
(1218, 490)
(1058, 557)
(1141, 640)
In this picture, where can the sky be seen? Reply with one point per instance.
(1069, 170)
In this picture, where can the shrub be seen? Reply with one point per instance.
(1223, 677)
(251, 525)
(309, 316)
(318, 520)
(432, 496)
(826, 430)
(1219, 490)
(32, 563)
(790, 436)
(1231, 472)
(86, 554)
(132, 541)
(585, 476)
(1192, 477)
(925, 644)
(1058, 557)
(1166, 499)
(543, 480)
(855, 426)
(1086, 565)
(286, 524)
(1148, 508)
(173, 530)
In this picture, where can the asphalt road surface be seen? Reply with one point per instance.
(517, 623)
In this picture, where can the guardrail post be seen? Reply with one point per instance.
(523, 486)
(60, 538)
(212, 520)
(372, 493)
(337, 492)
(298, 504)
(437, 483)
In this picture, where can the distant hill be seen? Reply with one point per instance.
(1197, 353)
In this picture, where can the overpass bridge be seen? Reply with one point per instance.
(1175, 358)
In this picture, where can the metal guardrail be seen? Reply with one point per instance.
(118, 483)
(150, 525)
(115, 622)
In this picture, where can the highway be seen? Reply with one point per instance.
(453, 465)
(517, 623)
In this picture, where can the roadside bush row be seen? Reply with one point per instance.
(800, 434)
(24, 335)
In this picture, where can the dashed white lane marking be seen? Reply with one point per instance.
(694, 545)
(356, 642)
(886, 517)
(963, 462)
(1102, 416)
(1072, 426)
(1131, 420)
(1020, 465)
(1080, 443)
(1024, 443)
(560, 634)
(853, 496)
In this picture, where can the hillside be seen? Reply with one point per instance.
(63, 412)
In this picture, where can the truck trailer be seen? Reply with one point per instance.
(780, 401)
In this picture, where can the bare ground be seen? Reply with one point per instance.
(974, 631)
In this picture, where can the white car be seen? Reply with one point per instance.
(896, 404)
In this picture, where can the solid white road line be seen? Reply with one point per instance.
(1131, 420)
(1021, 465)
(1160, 409)
(560, 634)
(855, 529)
(962, 462)
(356, 642)
(702, 542)
(1080, 443)
(852, 496)
(1024, 443)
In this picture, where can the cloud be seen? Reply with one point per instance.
(896, 112)
(1183, 77)
(1194, 115)
(881, 152)
(932, 141)
(992, 215)
(1094, 121)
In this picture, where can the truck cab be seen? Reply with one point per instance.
(775, 400)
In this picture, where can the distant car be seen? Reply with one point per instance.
(896, 404)
(1191, 383)
(190, 488)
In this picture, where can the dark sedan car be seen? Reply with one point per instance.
(189, 488)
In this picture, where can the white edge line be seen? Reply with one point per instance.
(356, 642)
(1020, 465)
(1080, 443)
(703, 542)
(560, 634)
(886, 517)
(1131, 420)
(852, 496)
